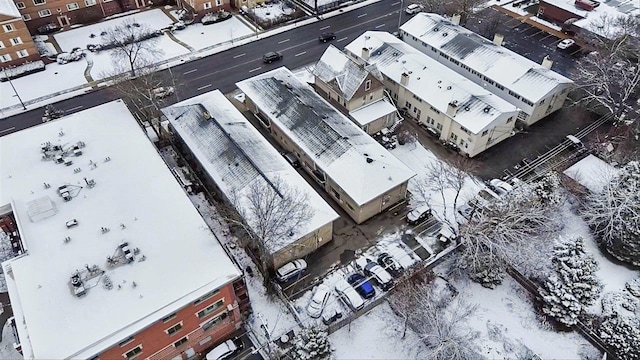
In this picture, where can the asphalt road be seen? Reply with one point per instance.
(299, 46)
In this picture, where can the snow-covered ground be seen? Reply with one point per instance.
(271, 12)
(200, 36)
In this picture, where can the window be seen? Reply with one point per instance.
(218, 2)
(174, 329)
(335, 193)
(22, 53)
(465, 130)
(133, 353)
(214, 321)
(439, 126)
(454, 137)
(125, 341)
(180, 342)
(89, 2)
(5, 57)
(500, 86)
(39, 2)
(367, 85)
(206, 296)
(168, 317)
(16, 41)
(208, 338)
(20, 5)
(1, 45)
(72, 6)
(8, 28)
(542, 101)
(26, 17)
(44, 13)
(484, 133)
(209, 309)
(207, 5)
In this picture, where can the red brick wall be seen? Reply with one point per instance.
(555, 14)
(155, 341)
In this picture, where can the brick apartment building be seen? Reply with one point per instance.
(16, 45)
(113, 261)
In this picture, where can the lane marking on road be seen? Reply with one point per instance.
(204, 87)
(343, 39)
(189, 72)
(74, 108)
(325, 27)
(299, 54)
(9, 129)
(379, 26)
(362, 15)
(283, 41)
(395, 3)
(256, 69)
(239, 55)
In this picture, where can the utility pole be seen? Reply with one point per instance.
(14, 89)
(400, 15)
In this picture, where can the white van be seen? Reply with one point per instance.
(413, 9)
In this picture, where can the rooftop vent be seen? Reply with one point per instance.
(436, 29)
(369, 160)
(449, 87)
(466, 108)
(445, 34)
(486, 109)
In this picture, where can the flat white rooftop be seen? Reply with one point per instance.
(505, 67)
(235, 154)
(358, 164)
(137, 198)
(431, 81)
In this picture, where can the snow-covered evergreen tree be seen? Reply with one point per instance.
(614, 214)
(623, 335)
(547, 189)
(310, 344)
(576, 270)
(559, 303)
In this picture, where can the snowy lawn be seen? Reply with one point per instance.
(272, 12)
(200, 36)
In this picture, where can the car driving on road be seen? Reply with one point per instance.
(271, 56)
(327, 36)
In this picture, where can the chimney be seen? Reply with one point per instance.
(455, 19)
(498, 39)
(547, 62)
(365, 54)
(452, 108)
(404, 79)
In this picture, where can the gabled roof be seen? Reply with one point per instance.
(236, 155)
(431, 81)
(357, 163)
(337, 69)
(8, 8)
(137, 198)
(505, 67)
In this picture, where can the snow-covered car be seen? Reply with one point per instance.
(225, 350)
(500, 187)
(419, 214)
(330, 315)
(379, 275)
(413, 9)
(163, 92)
(485, 197)
(390, 264)
(446, 234)
(290, 270)
(318, 300)
(348, 295)
(566, 43)
(575, 142)
(362, 285)
(71, 223)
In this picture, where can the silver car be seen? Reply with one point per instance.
(318, 300)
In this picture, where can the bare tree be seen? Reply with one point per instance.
(132, 44)
(272, 213)
(608, 79)
(464, 8)
(438, 316)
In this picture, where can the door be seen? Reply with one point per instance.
(63, 20)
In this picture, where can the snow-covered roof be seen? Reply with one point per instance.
(136, 199)
(372, 111)
(431, 81)
(8, 8)
(507, 68)
(592, 173)
(352, 159)
(235, 155)
(604, 19)
(337, 69)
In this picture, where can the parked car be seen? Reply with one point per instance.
(418, 214)
(566, 43)
(318, 300)
(225, 350)
(327, 36)
(379, 275)
(446, 234)
(330, 315)
(390, 264)
(290, 270)
(413, 9)
(271, 56)
(362, 285)
(71, 223)
(348, 295)
(162, 92)
(292, 159)
(575, 142)
(500, 187)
